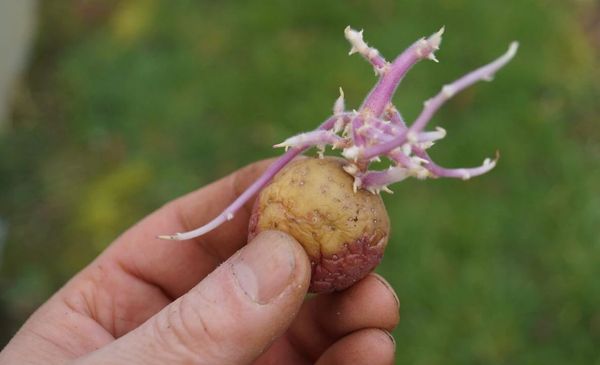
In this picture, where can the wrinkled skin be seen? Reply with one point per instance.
(344, 233)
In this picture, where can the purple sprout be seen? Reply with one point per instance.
(376, 129)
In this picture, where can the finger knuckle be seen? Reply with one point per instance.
(185, 331)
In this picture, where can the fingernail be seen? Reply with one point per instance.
(263, 268)
(390, 337)
(388, 287)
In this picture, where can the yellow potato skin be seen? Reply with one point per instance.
(313, 200)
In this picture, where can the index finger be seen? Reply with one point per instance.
(176, 266)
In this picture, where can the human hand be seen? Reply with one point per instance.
(146, 301)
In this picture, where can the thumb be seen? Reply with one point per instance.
(230, 317)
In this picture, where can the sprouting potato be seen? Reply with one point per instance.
(332, 205)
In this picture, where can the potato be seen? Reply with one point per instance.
(343, 232)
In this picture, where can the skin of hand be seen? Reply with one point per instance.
(212, 300)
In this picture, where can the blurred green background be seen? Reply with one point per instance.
(124, 105)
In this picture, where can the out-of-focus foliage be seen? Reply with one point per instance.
(129, 104)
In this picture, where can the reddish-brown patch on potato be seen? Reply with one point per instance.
(343, 232)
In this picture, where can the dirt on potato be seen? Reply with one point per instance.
(343, 232)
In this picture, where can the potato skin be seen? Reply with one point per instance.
(344, 233)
